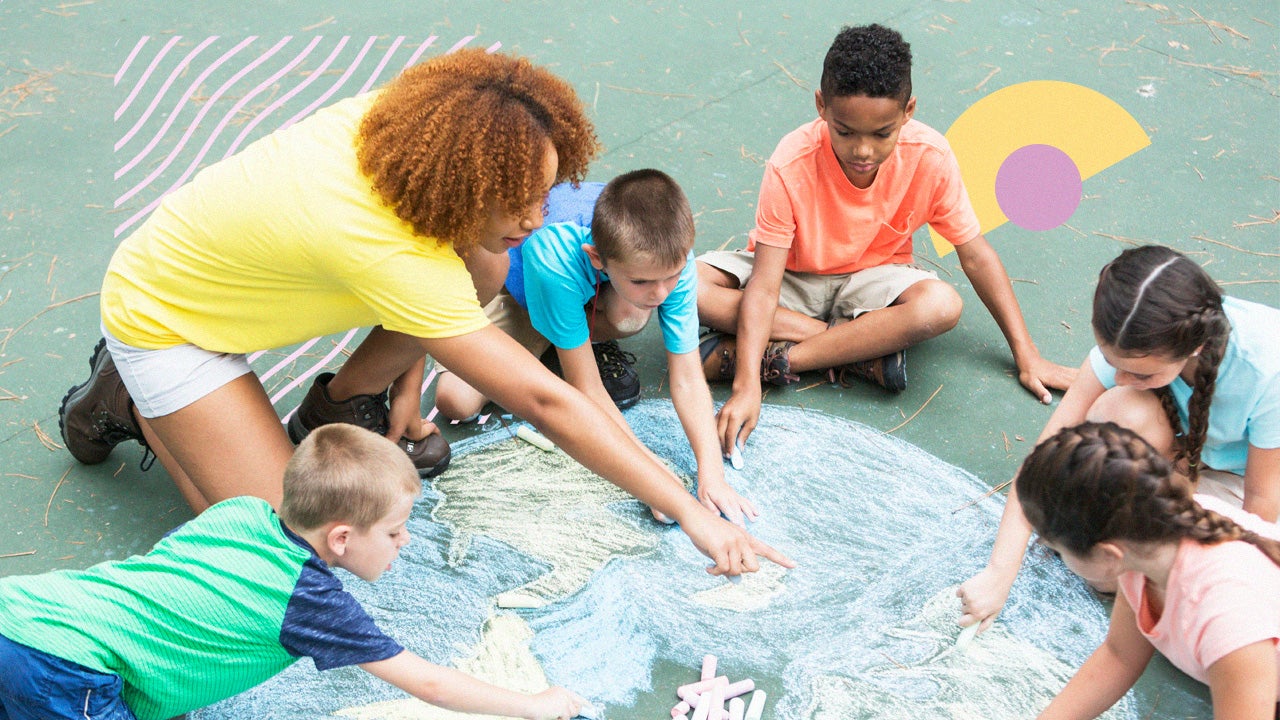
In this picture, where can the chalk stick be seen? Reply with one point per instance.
(690, 696)
(697, 688)
(737, 708)
(515, 600)
(681, 716)
(742, 687)
(681, 708)
(534, 438)
(716, 712)
(735, 458)
(589, 711)
(703, 706)
(966, 636)
(708, 667)
(756, 708)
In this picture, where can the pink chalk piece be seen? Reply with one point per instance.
(690, 696)
(742, 687)
(702, 707)
(756, 709)
(737, 709)
(697, 688)
(716, 712)
(682, 708)
(708, 667)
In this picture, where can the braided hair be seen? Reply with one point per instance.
(1099, 482)
(1152, 300)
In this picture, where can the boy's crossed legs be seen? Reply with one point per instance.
(856, 323)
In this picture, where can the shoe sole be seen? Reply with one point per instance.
(75, 392)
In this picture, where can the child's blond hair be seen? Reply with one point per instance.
(347, 474)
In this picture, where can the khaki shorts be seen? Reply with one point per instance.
(507, 315)
(828, 297)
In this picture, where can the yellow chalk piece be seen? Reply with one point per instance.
(534, 438)
(1091, 128)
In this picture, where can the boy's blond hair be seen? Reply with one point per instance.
(643, 214)
(347, 474)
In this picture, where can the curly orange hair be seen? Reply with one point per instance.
(454, 136)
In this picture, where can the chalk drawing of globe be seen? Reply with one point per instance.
(863, 628)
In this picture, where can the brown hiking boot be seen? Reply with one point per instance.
(775, 365)
(97, 415)
(719, 357)
(430, 455)
(889, 372)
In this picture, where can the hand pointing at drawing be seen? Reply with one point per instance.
(733, 549)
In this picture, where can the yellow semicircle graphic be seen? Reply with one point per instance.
(1091, 129)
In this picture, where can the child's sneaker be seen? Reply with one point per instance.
(719, 354)
(618, 373)
(98, 415)
(775, 365)
(430, 455)
(889, 372)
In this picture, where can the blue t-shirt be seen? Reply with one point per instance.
(1246, 398)
(565, 203)
(559, 280)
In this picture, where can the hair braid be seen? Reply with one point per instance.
(1097, 482)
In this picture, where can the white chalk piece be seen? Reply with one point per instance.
(681, 716)
(589, 711)
(534, 438)
(716, 712)
(703, 706)
(708, 667)
(756, 709)
(742, 687)
(735, 457)
(697, 688)
(681, 709)
(966, 636)
(737, 708)
(518, 600)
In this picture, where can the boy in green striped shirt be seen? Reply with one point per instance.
(234, 597)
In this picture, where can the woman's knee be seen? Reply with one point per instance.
(457, 400)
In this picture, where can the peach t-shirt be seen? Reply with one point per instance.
(1220, 598)
(808, 205)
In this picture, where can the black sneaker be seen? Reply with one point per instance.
(618, 373)
(97, 415)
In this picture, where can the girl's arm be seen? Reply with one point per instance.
(1262, 483)
(1108, 673)
(458, 691)
(1243, 683)
(984, 594)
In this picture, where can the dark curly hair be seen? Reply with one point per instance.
(870, 60)
(452, 136)
(1154, 300)
(1099, 482)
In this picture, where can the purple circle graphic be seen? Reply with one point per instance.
(1038, 187)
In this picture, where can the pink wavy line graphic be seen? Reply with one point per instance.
(268, 83)
(191, 130)
(182, 66)
(460, 44)
(129, 60)
(310, 78)
(324, 97)
(195, 123)
(146, 75)
(285, 362)
(381, 65)
(421, 49)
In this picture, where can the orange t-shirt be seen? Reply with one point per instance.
(808, 205)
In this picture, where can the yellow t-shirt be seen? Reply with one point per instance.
(282, 242)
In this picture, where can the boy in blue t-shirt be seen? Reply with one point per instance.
(585, 285)
(234, 597)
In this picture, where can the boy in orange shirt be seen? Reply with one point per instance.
(831, 284)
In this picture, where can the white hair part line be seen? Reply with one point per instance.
(1142, 291)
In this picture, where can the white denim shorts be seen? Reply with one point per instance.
(165, 381)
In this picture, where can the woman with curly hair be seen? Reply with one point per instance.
(1199, 580)
(392, 209)
(1194, 372)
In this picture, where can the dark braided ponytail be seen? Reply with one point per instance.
(1099, 482)
(1152, 300)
